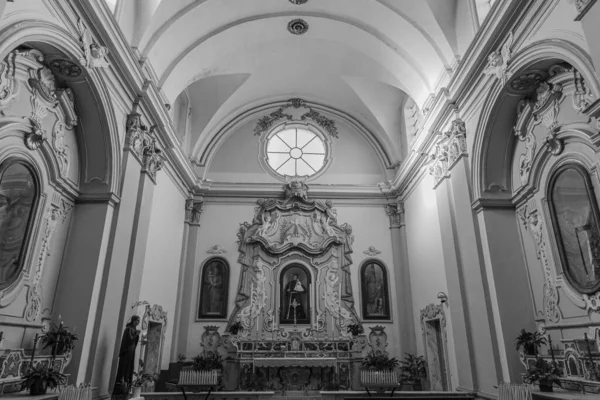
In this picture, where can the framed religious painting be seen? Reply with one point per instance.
(294, 295)
(18, 199)
(214, 288)
(575, 218)
(374, 291)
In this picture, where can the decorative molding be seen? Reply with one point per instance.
(298, 2)
(499, 59)
(297, 26)
(193, 210)
(378, 340)
(34, 294)
(66, 68)
(268, 121)
(532, 222)
(141, 141)
(371, 251)
(216, 249)
(582, 7)
(527, 82)
(94, 54)
(450, 147)
(396, 214)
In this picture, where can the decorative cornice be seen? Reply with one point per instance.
(268, 121)
(298, 2)
(396, 214)
(142, 142)
(193, 210)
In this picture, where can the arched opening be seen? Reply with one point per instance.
(295, 285)
(214, 288)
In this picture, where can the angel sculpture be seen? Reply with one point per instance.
(94, 53)
(498, 60)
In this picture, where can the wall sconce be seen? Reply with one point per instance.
(442, 297)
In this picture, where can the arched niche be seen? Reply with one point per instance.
(96, 127)
(295, 294)
(374, 291)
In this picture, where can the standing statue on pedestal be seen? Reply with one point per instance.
(129, 342)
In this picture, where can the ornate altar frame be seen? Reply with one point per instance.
(429, 314)
(149, 314)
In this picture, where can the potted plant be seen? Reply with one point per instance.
(208, 362)
(41, 377)
(543, 373)
(181, 358)
(413, 370)
(141, 379)
(59, 338)
(236, 327)
(355, 329)
(379, 362)
(530, 342)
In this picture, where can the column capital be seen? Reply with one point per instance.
(193, 210)
(396, 214)
(582, 7)
(450, 147)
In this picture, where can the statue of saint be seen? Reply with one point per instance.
(129, 342)
(294, 291)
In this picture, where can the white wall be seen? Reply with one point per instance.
(163, 253)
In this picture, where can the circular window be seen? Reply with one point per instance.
(296, 152)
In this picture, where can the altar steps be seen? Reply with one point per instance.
(326, 395)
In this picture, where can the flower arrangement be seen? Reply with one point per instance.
(208, 362)
(413, 369)
(530, 342)
(543, 373)
(141, 379)
(181, 357)
(59, 338)
(236, 327)
(380, 362)
(355, 329)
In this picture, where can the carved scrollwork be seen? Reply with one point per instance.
(396, 214)
(371, 251)
(142, 142)
(34, 295)
(378, 340)
(450, 147)
(532, 222)
(216, 249)
(193, 210)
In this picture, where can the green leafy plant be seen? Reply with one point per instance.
(543, 373)
(380, 362)
(59, 338)
(208, 362)
(530, 342)
(355, 329)
(181, 358)
(41, 377)
(413, 368)
(143, 378)
(236, 327)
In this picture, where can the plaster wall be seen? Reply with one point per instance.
(163, 254)
(426, 260)
(220, 223)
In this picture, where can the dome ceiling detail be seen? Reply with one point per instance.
(298, 26)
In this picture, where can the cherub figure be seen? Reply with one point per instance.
(498, 60)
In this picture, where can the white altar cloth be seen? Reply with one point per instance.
(295, 362)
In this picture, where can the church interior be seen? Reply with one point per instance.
(323, 199)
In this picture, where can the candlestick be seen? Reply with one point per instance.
(592, 365)
(551, 349)
(35, 339)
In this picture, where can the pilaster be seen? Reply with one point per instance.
(588, 12)
(186, 300)
(408, 343)
(469, 303)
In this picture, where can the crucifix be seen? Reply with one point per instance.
(294, 304)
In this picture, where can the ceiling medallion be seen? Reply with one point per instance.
(527, 82)
(298, 26)
(298, 2)
(66, 68)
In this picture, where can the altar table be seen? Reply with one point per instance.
(295, 362)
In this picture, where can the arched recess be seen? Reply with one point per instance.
(97, 128)
(524, 127)
(213, 291)
(375, 292)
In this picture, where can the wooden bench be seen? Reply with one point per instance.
(379, 381)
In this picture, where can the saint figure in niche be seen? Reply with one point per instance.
(294, 295)
(294, 291)
(213, 290)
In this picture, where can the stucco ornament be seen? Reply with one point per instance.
(55, 216)
(580, 5)
(499, 59)
(94, 54)
(371, 251)
(451, 145)
(395, 212)
(378, 340)
(193, 210)
(332, 299)
(216, 249)
(298, 26)
(258, 300)
(592, 303)
(142, 142)
(532, 222)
